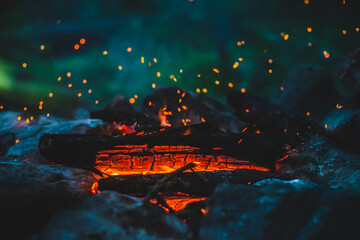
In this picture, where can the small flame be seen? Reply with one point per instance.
(162, 116)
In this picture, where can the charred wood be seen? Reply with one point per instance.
(139, 185)
(79, 150)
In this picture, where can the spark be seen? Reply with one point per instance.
(236, 64)
(68, 74)
(42, 47)
(51, 95)
(120, 67)
(82, 41)
(198, 90)
(24, 65)
(153, 85)
(129, 49)
(158, 74)
(79, 94)
(204, 90)
(105, 52)
(230, 85)
(243, 90)
(309, 29)
(217, 82)
(132, 100)
(142, 60)
(76, 46)
(59, 79)
(155, 60)
(84, 81)
(216, 70)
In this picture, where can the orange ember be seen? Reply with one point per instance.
(140, 159)
(164, 159)
(179, 201)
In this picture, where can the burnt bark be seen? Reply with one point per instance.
(81, 150)
(195, 183)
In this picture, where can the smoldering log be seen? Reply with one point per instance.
(80, 150)
(272, 118)
(196, 183)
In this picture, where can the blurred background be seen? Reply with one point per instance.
(60, 55)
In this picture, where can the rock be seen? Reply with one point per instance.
(31, 193)
(6, 141)
(112, 215)
(321, 160)
(175, 107)
(270, 118)
(307, 89)
(343, 122)
(29, 134)
(121, 111)
(276, 209)
(348, 71)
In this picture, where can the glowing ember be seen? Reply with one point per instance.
(164, 159)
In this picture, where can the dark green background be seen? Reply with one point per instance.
(194, 36)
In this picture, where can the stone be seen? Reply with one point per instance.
(7, 139)
(30, 193)
(276, 209)
(348, 71)
(321, 160)
(28, 134)
(111, 215)
(308, 88)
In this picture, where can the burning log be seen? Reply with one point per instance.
(199, 183)
(165, 180)
(83, 150)
(271, 118)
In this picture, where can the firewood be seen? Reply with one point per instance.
(139, 184)
(79, 150)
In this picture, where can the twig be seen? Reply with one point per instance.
(156, 188)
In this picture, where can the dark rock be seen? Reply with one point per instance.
(307, 89)
(121, 111)
(29, 134)
(6, 141)
(112, 215)
(271, 118)
(343, 122)
(321, 160)
(175, 107)
(348, 71)
(276, 209)
(31, 193)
